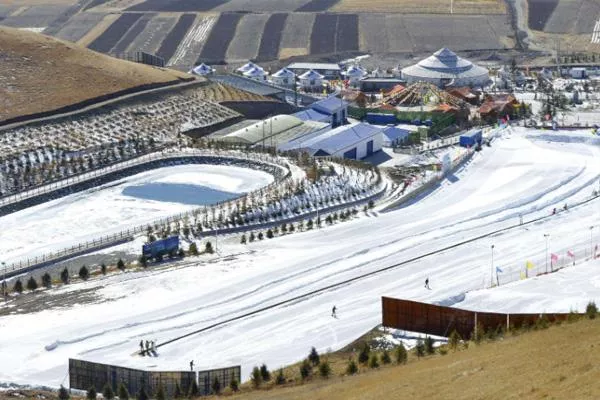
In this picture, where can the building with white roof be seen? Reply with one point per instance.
(283, 77)
(202, 70)
(445, 68)
(246, 67)
(328, 70)
(256, 73)
(354, 74)
(311, 80)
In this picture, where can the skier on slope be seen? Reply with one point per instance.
(427, 283)
(333, 312)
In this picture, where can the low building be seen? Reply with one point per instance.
(311, 80)
(284, 77)
(465, 94)
(393, 136)
(257, 74)
(498, 106)
(313, 115)
(328, 70)
(333, 106)
(355, 142)
(578, 73)
(371, 84)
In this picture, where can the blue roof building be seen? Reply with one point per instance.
(313, 115)
(337, 108)
(393, 136)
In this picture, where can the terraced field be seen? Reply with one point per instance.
(422, 6)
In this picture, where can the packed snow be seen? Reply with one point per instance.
(122, 204)
(523, 173)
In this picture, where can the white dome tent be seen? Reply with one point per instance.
(202, 70)
(443, 68)
(283, 77)
(311, 80)
(247, 67)
(256, 73)
(354, 74)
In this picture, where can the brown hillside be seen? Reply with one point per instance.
(39, 73)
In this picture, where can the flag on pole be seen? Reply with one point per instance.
(529, 265)
(553, 258)
(498, 270)
(570, 254)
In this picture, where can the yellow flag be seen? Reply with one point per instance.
(529, 265)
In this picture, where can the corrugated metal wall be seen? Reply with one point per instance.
(441, 321)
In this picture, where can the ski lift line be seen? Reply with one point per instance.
(365, 275)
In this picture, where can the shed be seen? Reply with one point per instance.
(471, 138)
(313, 115)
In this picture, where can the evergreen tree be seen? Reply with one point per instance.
(142, 395)
(63, 394)
(309, 224)
(591, 310)
(123, 392)
(363, 356)
(208, 248)
(31, 284)
(103, 269)
(264, 373)
(305, 369)
(284, 228)
(292, 229)
(107, 392)
(269, 234)
(121, 266)
(401, 354)
(385, 357)
(216, 386)
(256, 377)
(91, 393)
(194, 391)
(193, 249)
(143, 261)
(454, 339)
(243, 239)
(352, 367)
(160, 392)
(234, 385)
(420, 348)
(18, 286)
(84, 274)
(47, 280)
(280, 378)
(252, 237)
(64, 276)
(260, 236)
(313, 357)
(373, 362)
(325, 369)
(429, 349)
(178, 392)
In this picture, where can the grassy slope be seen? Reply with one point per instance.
(39, 73)
(557, 363)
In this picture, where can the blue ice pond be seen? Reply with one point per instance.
(178, 193)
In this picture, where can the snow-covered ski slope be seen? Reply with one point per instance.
(119, 205)
(519, 174)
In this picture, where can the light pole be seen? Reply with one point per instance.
(546, 235)
(492, 271)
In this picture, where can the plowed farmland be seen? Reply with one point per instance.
(539, 13)
(216, 45)
(422, 6)
(109, 38)
(130, 36)
(177, 5)
(271, 38)
(244, 45)
(169, 45)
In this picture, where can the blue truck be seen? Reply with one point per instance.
(471, 138)
(161, 248)
(381, 119)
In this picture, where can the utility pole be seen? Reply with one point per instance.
(547, 236)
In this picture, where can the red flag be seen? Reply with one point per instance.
(553, 257)
(570, 254)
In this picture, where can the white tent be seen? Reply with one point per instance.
(202, 69)
(311, 79)
(354, 74)
(256, 73)
(247, 67)
(283, 77)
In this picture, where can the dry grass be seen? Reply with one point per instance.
(39, 73)
(422, 6)
(560, 363)
(98, 29)
(287, 52)
(36, 2)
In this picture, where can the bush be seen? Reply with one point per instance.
(313, 357)
(401, 354)
(193, 249)
(429, 349)
(252, 237)
(107, 392)
(180, 254)
(542, 323)
(103, 269)
(91, 393)
(234, 385)
(264, 373)
(305, 369)
(477, 334)
(84, 274)
(373, 362)
(63, 394)
(208, 248)
(64, 276)
(47, 280)
(591, 310)
(18, 286)
(216, 386)
(573, 316)
(280, 378)
(292, 228)
(352, 368)
(256, 377)
(121, 266)
(309, 224)
(269, 234)
(363, 356)
(385, 357)
(31, 284)
(143, 261)
(243, 239)
(443, 350)
(260, 236)
(454, 339)
(325, 369)
(123, 392)
(420, 348)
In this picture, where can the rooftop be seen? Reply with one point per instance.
(312, 115)
(329, 105)
(320, 66)
(247, 84)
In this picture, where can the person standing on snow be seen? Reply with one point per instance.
(427, 283)
(333, 310)
(192, 365)
(142, 346)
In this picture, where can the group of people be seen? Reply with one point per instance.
(565, 208)
(147, 346)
